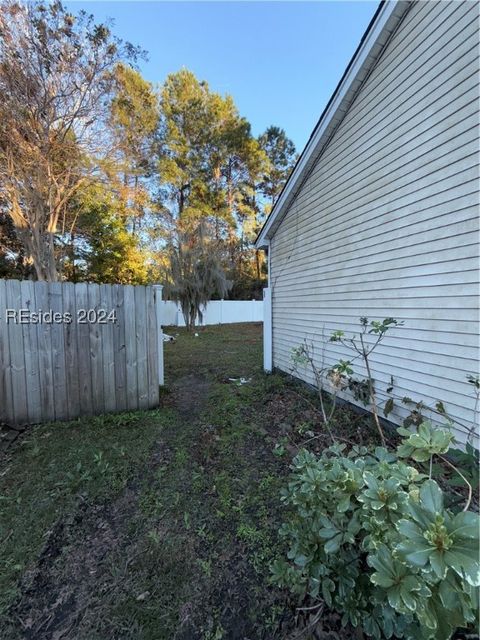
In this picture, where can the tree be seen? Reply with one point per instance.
(280, 151)
(235, 164)
(100, 247)
(194, 270)
(134, 121)
(185, 137)
(56, 79)
(211, 166)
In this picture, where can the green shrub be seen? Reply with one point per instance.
(370, 536)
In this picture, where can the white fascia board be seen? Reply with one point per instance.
(386, 21)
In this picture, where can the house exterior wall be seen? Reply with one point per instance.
(386, 224)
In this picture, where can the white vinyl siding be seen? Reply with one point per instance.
(386, 224)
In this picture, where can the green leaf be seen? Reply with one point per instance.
(408, 598)
(421, 455)
(465, 563)
(417, 440)
(413, 554)
(382, 561)
(447, 594)
(343, 505)
(438, 564)
(382, 580)
(431, 497)
(327, 533)
(424, 430)
(429, 617)
(370, 480)
(333, 545)
(411, 531)
(440, 407)
(388, 407)
(301, 560)
(423, 517)
(466, 525)
(404, 450)
(394, 597)
(328, 587)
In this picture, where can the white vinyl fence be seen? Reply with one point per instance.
(216, 312)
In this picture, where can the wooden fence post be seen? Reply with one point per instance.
(158, 288)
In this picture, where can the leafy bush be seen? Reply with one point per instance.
(370, 535)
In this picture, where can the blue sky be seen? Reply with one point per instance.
(280, 61)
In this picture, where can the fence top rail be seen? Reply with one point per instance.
(82, 283)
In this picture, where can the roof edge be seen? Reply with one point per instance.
(385, 20)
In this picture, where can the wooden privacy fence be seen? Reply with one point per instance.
(68, 350)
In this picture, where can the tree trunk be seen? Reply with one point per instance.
(40, 249)
(257, 263)
(72, 257)
(189, 315)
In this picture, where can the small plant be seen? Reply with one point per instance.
(338, 377)
(330, 379)
(425, 443)
(205, 566)
(154, 537)
(102, 465)
(305, 429)
(279, 449)
(371, 537)
(364, 390)
(75, 479)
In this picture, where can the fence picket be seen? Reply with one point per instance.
(58, 351)
(6, 398)
(96, 353)
(83, 347)
(141, 346)
(30, 345)
(71, 352)
(131, 347)
(44, 341)
(17, 357)
(152, 355)
(107, 328)
(119, 351)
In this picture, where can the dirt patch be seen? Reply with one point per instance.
(60, 588)
(189, 395)
(292, 413)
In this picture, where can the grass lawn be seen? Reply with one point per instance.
(159, 524)
(163, 524)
